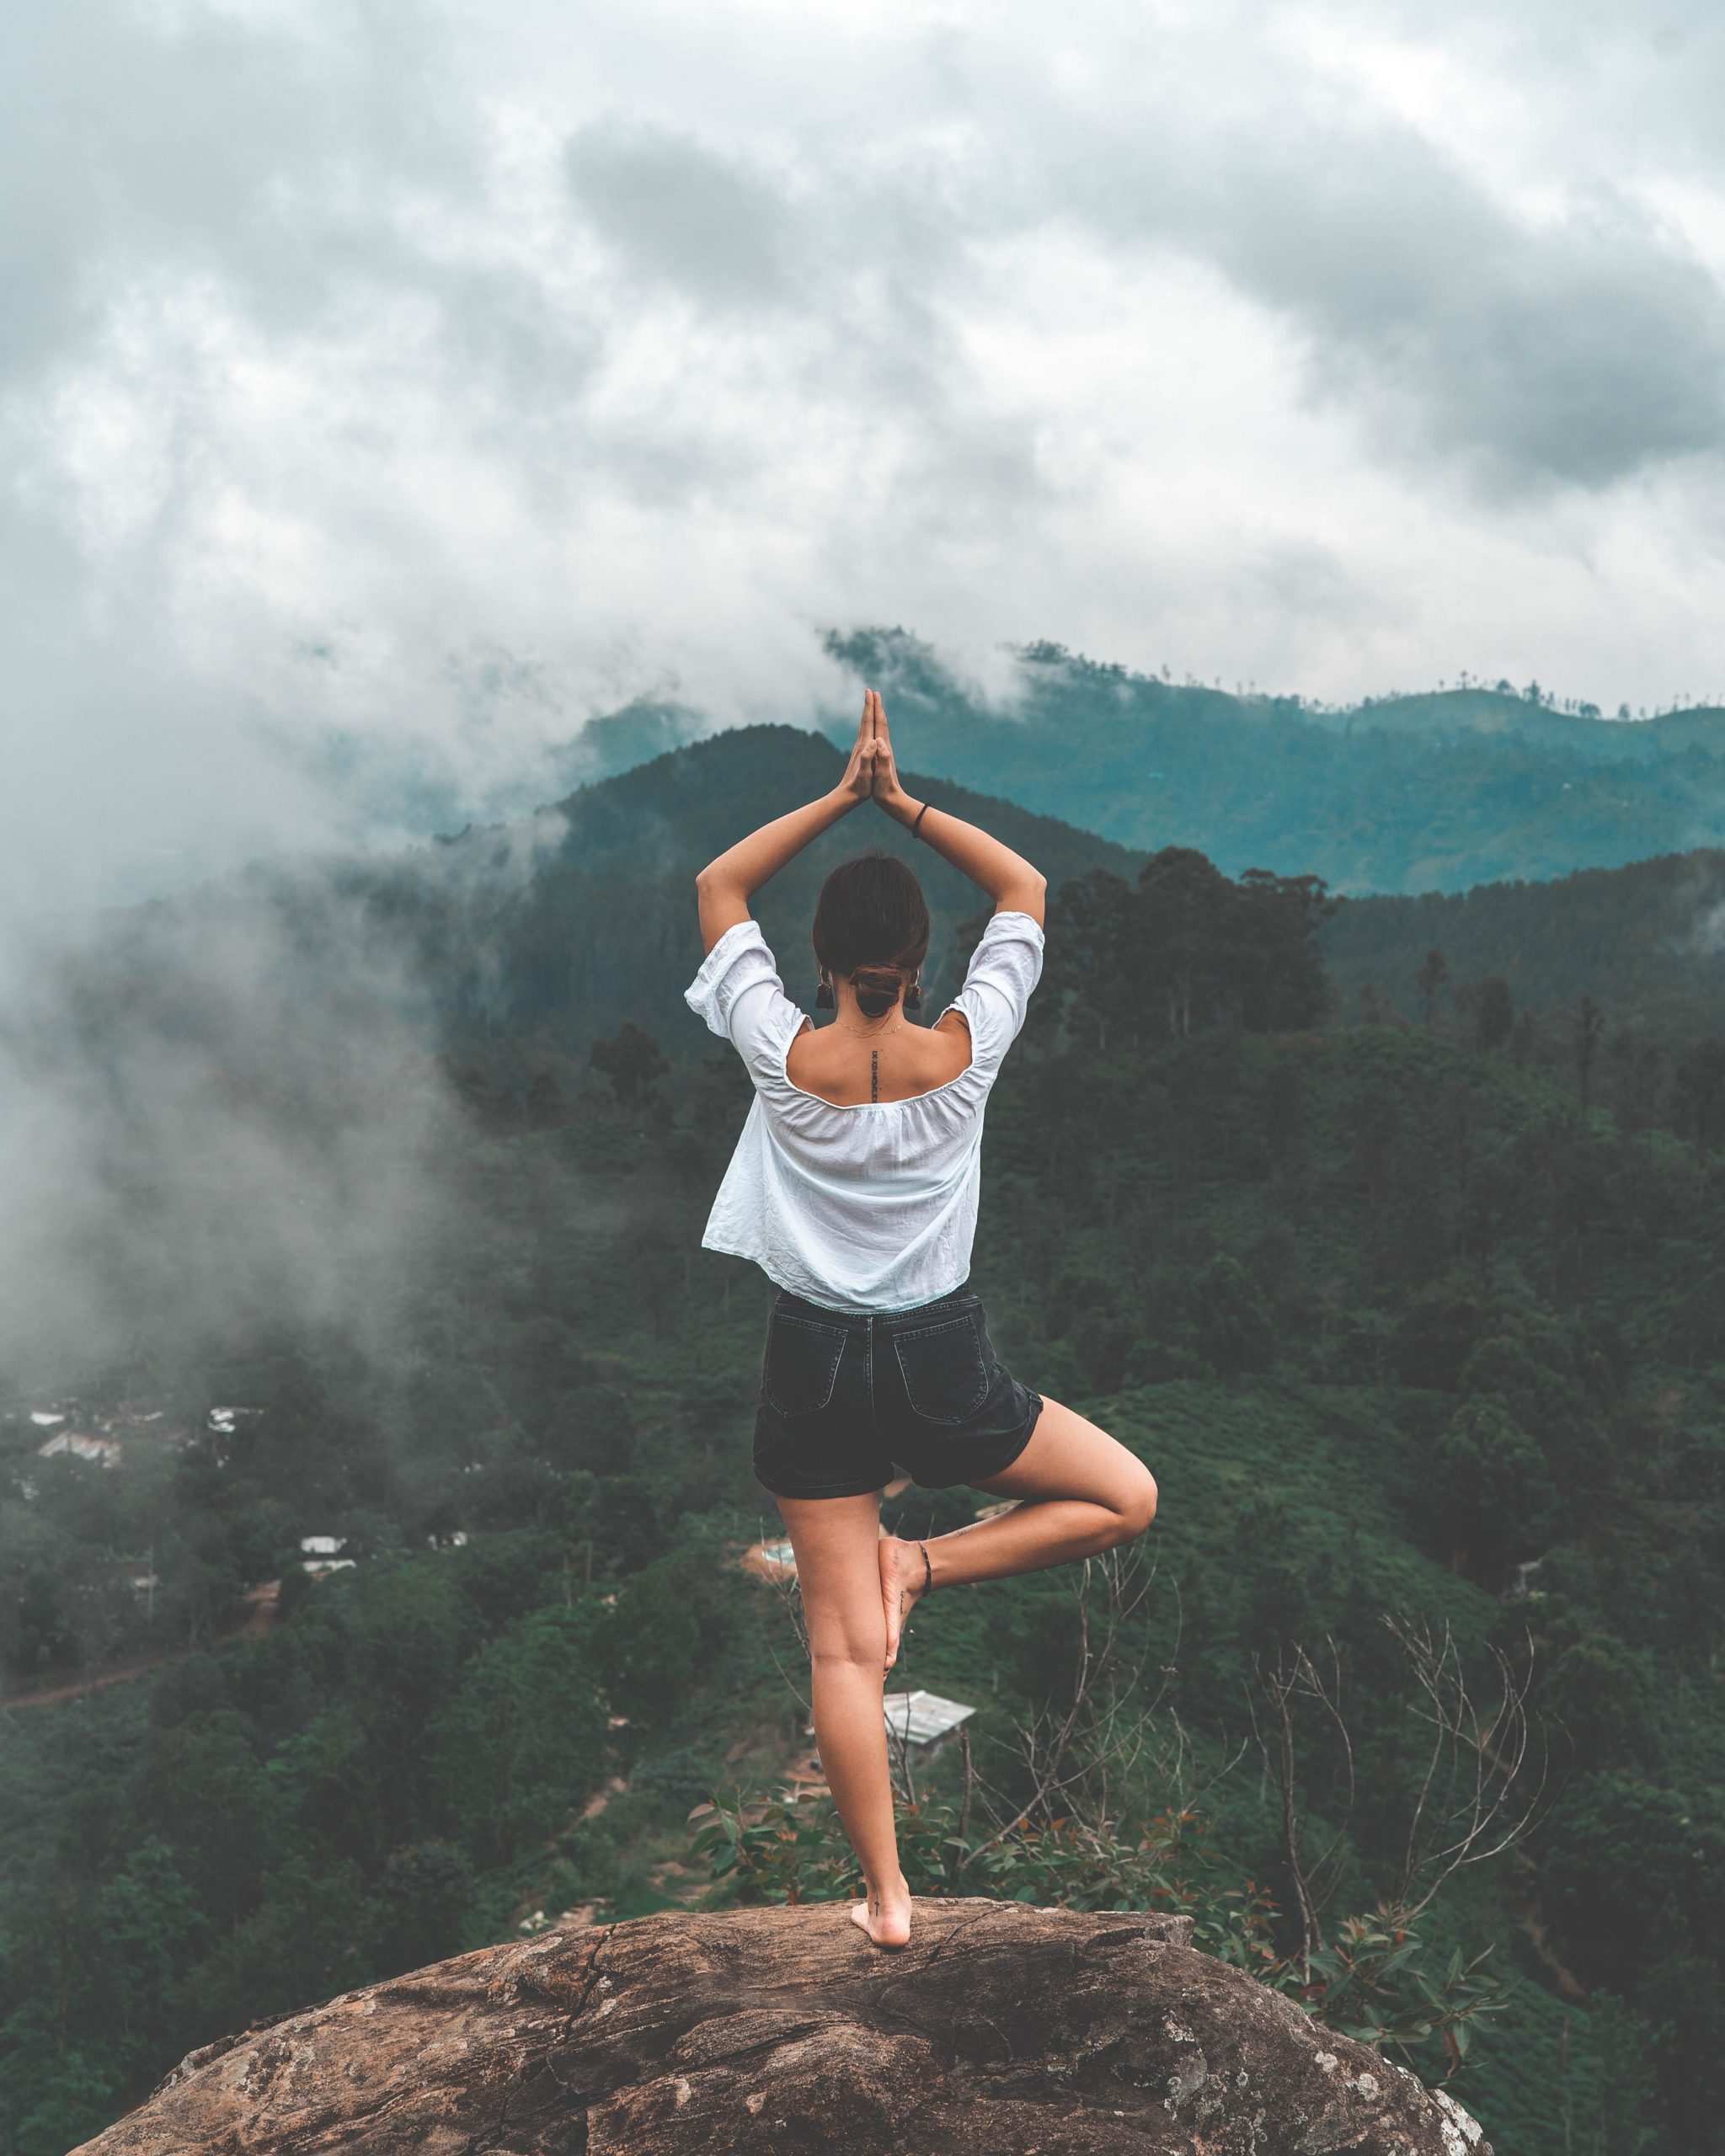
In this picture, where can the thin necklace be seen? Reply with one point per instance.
(867, 1032)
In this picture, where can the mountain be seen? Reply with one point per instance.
(1647, 942)
(565, 925)
(1403, 794)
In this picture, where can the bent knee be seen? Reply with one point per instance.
(862, 1648)
(1136, 1505)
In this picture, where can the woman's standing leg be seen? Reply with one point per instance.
(837, 1541)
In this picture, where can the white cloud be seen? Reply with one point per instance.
(432, 380)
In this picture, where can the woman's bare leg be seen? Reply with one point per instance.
(1081, 1491)
(834, 1539)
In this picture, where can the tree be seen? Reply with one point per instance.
(1700, 1091)
(1493, 1014)
(1493, 1498)
(543, 1102)
(1279, 965)
(522, 1739)
(1429, 980)
(1596, 1690)
(420, 1903)
(654, 1643)
(1095, 941)
(1179, 931)
(1587, 1029)
(632, 1064)
(1235, 1333)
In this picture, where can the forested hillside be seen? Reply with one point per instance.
(1645, 944)
(1402, 794)
(1406, 1330)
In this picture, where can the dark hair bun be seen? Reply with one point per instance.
(872, 924)
(877, 990)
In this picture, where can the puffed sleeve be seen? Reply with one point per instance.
(738, 993)
(1004, 967)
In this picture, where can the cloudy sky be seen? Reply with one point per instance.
(390, 387)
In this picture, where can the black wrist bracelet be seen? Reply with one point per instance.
(921, 813)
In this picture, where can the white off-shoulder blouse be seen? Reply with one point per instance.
(871, 1207)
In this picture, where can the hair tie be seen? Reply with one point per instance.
(921, 813)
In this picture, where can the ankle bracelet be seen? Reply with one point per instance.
(927, 1569)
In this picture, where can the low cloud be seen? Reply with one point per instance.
(382, 396)
(217, 1121)
(675, 212)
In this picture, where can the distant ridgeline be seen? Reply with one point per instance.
(1402, 794)
(529, 942)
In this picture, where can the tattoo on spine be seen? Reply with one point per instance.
(875, 1074)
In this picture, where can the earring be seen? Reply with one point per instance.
(823, 994)
(913, 996)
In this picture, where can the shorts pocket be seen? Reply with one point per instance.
(801, 1366)
(947, 1367)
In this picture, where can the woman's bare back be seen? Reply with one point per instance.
(848, 1069)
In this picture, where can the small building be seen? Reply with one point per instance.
(919, 1721)
(321, 1553)
(103, 1451)
(922, 1720)
(770, 1561)
(223, 1420)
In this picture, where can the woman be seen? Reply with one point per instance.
(854, 1187)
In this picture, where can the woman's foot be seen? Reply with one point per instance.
(885, 1916)
(903, 1581)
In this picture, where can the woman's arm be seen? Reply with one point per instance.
(724, 886)
(1007, 877)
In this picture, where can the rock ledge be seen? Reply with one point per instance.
(1000, 2030)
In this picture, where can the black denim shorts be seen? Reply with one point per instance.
(847, 1399)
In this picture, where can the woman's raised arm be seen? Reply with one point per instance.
(1008, 878)
(725, 885)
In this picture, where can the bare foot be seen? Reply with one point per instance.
(885, 1917)
(901, 1586)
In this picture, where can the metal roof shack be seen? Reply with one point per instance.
(922, 1719)
(103, 1450)
(321, 1555)
(770, 1561)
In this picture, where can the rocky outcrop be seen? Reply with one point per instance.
(1000, 2030)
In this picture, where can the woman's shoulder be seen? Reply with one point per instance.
(739, 992)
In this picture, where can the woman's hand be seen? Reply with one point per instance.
(887, 792)
(725, 885)
(857, 783)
